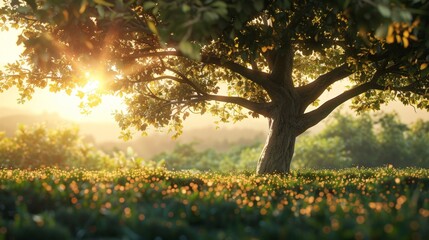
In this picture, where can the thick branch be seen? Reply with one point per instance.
(260, 108)
(282, 59)
(269, 56)
(312, 118)
(255, 76)
(283, 66)
(312, 91)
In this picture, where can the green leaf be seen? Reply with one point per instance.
(405, 15)
(219, 4)
(210, 16)
(23, 10)
(221, 8)
(148, 5)
(100, 11)
(190, 50)
(185, 8)
(381, 31)
(384, 10)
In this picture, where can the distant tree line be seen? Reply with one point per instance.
(346, 141)
(365, 141)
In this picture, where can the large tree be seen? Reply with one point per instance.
(230, 58)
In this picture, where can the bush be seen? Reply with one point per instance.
(35, 147)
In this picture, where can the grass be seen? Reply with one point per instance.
(377, 203)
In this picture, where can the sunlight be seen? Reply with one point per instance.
(91, 87)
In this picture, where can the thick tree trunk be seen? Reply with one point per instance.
(277, 153)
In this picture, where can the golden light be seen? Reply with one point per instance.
(93, 85)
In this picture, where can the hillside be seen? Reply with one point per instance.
(9, 123)
(207, 137)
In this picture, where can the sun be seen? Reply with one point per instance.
(93, 84)
(91, 87)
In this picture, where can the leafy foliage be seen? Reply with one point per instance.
(358, 136)
(186, 156)
(169, 58)
(35, 147)
(154, 203)
(364, 141)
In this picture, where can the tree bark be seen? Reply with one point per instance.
(277, 153)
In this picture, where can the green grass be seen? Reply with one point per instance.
(378, 203)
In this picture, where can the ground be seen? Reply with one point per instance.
(355, 203)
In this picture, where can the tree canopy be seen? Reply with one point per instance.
(230, 58)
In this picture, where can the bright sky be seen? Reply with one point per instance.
(67, 106)
(43, 100)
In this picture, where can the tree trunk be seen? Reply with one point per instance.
(277, 153)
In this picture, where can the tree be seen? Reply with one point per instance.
(365, 141)
(318, 152)
(185, 156)
(418, 137)
(357, 136)
(230, 58)
(394, 147)
(34, 147)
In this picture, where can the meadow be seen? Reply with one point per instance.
(154, 203)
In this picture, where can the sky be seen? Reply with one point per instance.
(43, 100)
(67, 106)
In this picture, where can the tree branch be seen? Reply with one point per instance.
(260, 108)
(281, 60)
(187, 81)
(283, 66)
(255, 76)
(269, 56)
(312, 118)
(312, 91)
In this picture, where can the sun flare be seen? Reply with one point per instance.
(92, 86)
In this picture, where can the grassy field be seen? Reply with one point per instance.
(383, 203)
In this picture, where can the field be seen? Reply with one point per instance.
(382, 203)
